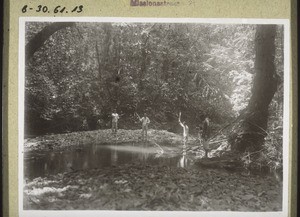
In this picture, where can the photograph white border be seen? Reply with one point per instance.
(94, 213)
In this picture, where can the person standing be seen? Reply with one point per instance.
(185, 129)
(115, 119)
(145, 122)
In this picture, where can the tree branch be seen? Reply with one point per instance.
(39, 39)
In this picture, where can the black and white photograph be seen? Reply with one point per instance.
(154, 115)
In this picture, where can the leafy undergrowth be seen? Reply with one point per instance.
(142, 187)
(76, 139)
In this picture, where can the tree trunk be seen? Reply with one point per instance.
(254, 125)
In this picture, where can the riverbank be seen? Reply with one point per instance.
(77, 139)
(143, 187)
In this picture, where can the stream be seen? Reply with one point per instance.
(95, 156)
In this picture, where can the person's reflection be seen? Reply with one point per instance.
(46, 168)
(49, 166)
(183, 160)
(85, 163)
(114, 157)
(94, 149)
(143, 155)
(69, 162)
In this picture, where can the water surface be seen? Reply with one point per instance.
(42, 163)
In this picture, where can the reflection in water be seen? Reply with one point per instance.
(114, 157)
(145, 153)
(85, 164)
(97, 156)
(183, 162)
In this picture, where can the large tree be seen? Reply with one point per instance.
(254, 123)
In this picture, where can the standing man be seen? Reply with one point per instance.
(145, 122)
(114, 122)
(185, 129)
